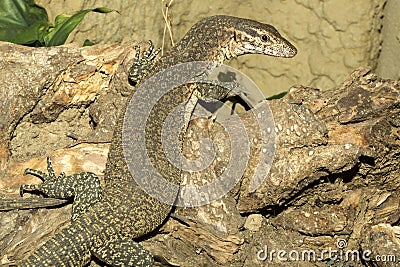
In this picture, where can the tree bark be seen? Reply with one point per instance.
(333, 183)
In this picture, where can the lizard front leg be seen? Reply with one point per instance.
(140, 68)
(121, 251)
(84, 187)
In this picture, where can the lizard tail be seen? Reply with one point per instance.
(29, 203)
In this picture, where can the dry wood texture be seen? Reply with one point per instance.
(335, 176)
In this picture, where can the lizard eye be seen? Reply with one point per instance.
(265, 38)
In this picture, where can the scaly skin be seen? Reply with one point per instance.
(123, 211)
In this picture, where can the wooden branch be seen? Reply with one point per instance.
(334, 180)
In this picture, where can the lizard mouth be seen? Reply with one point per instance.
(288, 50)
(280, 50)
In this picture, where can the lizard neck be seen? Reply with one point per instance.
(224, 48)
(229, 50)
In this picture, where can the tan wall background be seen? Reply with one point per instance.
(333, 36)
(389, 60)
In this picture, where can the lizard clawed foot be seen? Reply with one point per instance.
(42, 175)
(142, 65)
(84, 187)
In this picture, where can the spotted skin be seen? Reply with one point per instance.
(84, 187)
(142, 64)
(124, 211)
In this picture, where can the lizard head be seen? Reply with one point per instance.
(222, 37)
(253, 37)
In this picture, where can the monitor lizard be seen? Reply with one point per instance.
(105, 221)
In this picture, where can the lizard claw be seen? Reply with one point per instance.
(142, 65)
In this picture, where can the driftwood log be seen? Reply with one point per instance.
(333, 184)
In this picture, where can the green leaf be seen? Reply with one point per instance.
(277, 96)
(88, 43)
(102, 10)
(65, 24)
(22, 21)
